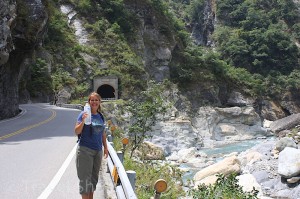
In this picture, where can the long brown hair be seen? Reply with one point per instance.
(99, 98)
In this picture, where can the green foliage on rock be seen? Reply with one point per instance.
(224, 188)
(39, 85)
(144, 112)
(256, 35)
(253, 40)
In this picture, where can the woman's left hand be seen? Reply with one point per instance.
(105, 153)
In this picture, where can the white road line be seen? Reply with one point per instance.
(45, 194)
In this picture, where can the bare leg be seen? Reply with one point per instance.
(91, 195)
(85, 196)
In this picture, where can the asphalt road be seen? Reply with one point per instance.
(37, 150)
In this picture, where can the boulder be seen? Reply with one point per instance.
(248, 183)
(285, 142)
(288, 122)
(289, 162)
(250, 157)
(226, 166)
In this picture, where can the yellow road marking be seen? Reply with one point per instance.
(29, 127)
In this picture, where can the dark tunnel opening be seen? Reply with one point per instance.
(106, 91)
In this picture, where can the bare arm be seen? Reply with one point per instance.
(104, 144)
(79, 125)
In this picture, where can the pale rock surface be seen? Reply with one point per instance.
(150, 151)
(225, 166)
(209, 180)
(248, 182)
(250, 157)
(289, 162)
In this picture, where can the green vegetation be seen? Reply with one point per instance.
(255, 49)
(148, 172)
(144, 114)
(251, 35)
(40, 82)
(256, 35)
(224, 188)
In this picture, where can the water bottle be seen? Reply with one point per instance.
(87, 109)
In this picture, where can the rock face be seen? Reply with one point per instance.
(154, 40)
(22, 27)
(203, 27)
(229, 124)
(7, 9)
(175, 135)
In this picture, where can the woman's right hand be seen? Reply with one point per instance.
(84, 115)
(79, 125)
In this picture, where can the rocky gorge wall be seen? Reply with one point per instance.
(22, 27)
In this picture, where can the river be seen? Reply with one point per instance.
(218, 154)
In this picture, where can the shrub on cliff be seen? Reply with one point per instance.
(224, 188)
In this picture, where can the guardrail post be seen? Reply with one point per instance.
(131, 176)
(159, 186)
(109, 138)
(112, 144)
(121, 156)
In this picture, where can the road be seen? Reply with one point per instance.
(37, 150)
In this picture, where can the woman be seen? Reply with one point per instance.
(89, 151)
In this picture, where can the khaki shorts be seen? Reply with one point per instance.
(88, 162)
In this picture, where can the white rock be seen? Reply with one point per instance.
(248, 182)
(289, 162)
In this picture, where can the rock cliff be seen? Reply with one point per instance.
(22, 27)
(24, 23)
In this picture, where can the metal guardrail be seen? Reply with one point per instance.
(124, 187)
(125, 181)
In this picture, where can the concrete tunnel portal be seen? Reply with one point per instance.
(106, 87)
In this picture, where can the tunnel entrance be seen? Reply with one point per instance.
(106, 92)
(106, 87)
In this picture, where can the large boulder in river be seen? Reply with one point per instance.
(288, 122)
(226, 166)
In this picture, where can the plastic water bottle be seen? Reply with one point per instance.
(87, 109)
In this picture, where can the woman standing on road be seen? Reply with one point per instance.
(92, 139)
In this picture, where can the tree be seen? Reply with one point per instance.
(144, 113)
(229, 11)
(61, 79)
(40, 80)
